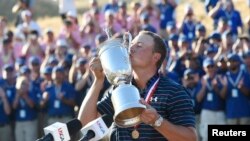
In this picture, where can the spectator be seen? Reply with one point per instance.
(189, 24)
(59, 98)
(32, 46)
(236, 92)
(167, 11)
(6, 53)
(111, 5)
(211, 98)
(7, 94)
(191, 81)
(226, 9)
(65, 6)
(28, 24)
(25, 113)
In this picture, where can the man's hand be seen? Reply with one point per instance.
(149, 115)
(96, 68)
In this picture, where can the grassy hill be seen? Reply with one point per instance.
(46, 11)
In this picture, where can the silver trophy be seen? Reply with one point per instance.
(114, 56)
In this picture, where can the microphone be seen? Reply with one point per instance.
(96, 129)
(61, 131)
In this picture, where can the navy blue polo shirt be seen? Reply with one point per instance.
(10, 90)
(210, 4)
(36, 88)
(193, 92)
(234, 19)
(237, 105)
(167, 14)
(4, 118)
(55, 106)
(188, 30)
(110, 7)
(24, 112)
(172, 102)
(212, 100)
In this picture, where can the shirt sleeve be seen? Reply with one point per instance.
(180, 108)
(105, 106)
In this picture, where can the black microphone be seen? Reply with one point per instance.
(60, 131)
(96, 129)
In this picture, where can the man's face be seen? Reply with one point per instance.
(233, 65)
(141, 51)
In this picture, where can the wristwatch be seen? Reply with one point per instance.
(158, 122)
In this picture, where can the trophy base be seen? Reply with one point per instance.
(129, 117)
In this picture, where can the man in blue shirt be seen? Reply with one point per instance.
(59, 99)
(226, 9)
(236, 92)
(8, 87)
(5, 110)
(25, 112)
(210, 97)
(167, 10)
(169, 116)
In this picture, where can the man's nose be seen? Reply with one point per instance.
(131, 50)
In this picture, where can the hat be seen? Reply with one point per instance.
(109, 13)
(8, 67)
(72, 14)
(24, 69)
(20, 61)
(86, 46)
(100, 38)
(211, 49)
(144, 16)
(200, 27)
(48, 30)
(25, 13)
(147, 27)
(207, 62)
(47, 70)
(183, 38)
(34, 60)
(58, 69)
(61, 43)
(6, 40)
(189, 72)
(233, 57)
(122, 4)
(81, 61)
(52, 60)
(215, 35)
(173, 37)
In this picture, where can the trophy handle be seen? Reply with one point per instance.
(127, 38)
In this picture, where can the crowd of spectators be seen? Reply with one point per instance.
(44, 76)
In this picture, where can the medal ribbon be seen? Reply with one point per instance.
(237, 79)
(209, 87)
(150, 94)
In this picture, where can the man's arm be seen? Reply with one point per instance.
(88, 110)
(169, 130)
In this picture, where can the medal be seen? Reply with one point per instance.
(135, 134)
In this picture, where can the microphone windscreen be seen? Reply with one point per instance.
(74, 126)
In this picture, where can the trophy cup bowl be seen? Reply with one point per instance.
(115, 61)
